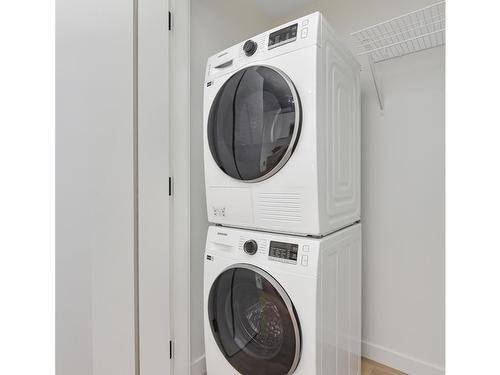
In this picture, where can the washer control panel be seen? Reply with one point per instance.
(250, 247)
(283, 252)
(288, 253)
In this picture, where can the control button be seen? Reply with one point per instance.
(249, 47)
(262, 246)
(305, 22)
(305, 248)
(305, 260)
(250, 247)
(303, 34)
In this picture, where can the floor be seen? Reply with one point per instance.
(370, 367)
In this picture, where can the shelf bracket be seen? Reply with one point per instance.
(376, 82)
(409, 33)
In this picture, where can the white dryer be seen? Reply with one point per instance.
(282, 131)
(277, 304)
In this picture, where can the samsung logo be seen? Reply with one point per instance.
(221, 234)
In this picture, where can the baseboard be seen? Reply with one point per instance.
(377, 353)
(402, 362)
(198, 366)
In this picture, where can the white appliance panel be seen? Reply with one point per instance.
(316, 190)
(325, 291)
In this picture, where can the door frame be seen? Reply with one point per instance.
(153, 203)
(180, 170)
(157, 45)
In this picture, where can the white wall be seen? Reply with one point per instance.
(403, 212)
(402, 195)
(215, 25)
(94, 186)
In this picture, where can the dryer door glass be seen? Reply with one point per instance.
(254, 123)
(254, 322)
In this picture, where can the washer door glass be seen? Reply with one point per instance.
(254, 322)
(254, 123)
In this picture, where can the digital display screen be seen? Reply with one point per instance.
(283, 36)
(284, 252)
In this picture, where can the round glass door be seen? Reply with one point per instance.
(254, 123)
(254, 322)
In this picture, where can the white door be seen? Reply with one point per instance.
(95, 309)
(112, 186)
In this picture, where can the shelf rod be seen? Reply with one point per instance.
(368, 42)
(400, 42)
(399, 17)
(407, 53)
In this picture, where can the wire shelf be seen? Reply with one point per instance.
(410, 33)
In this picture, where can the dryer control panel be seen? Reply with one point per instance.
(259, 49)
(283, 36)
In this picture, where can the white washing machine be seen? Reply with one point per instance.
(279, 304)
(282, 131)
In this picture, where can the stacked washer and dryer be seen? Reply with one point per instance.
(282, 272)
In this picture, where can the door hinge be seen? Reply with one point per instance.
(170, 186)
(170, 20)
(171, 349)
